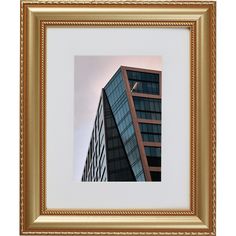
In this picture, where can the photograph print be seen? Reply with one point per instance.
(117, 121)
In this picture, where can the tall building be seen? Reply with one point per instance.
(126, 137)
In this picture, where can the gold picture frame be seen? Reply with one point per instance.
(200, 18)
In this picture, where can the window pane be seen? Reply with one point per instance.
(156, 175)
(154, 161)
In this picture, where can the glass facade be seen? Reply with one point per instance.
(118, 101)
(114, 152)
(148, 108)
(95, 168)
(118, 165)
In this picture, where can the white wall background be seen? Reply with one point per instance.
(9, 125)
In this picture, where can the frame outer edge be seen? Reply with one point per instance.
(24, 114)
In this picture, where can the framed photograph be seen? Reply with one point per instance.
(118, 118)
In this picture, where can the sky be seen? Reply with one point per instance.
(91, 75)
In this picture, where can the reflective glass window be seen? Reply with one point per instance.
(118, 101)
(150, 132)
(142, 76)
(144, 87)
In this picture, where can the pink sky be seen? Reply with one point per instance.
(91, 75)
